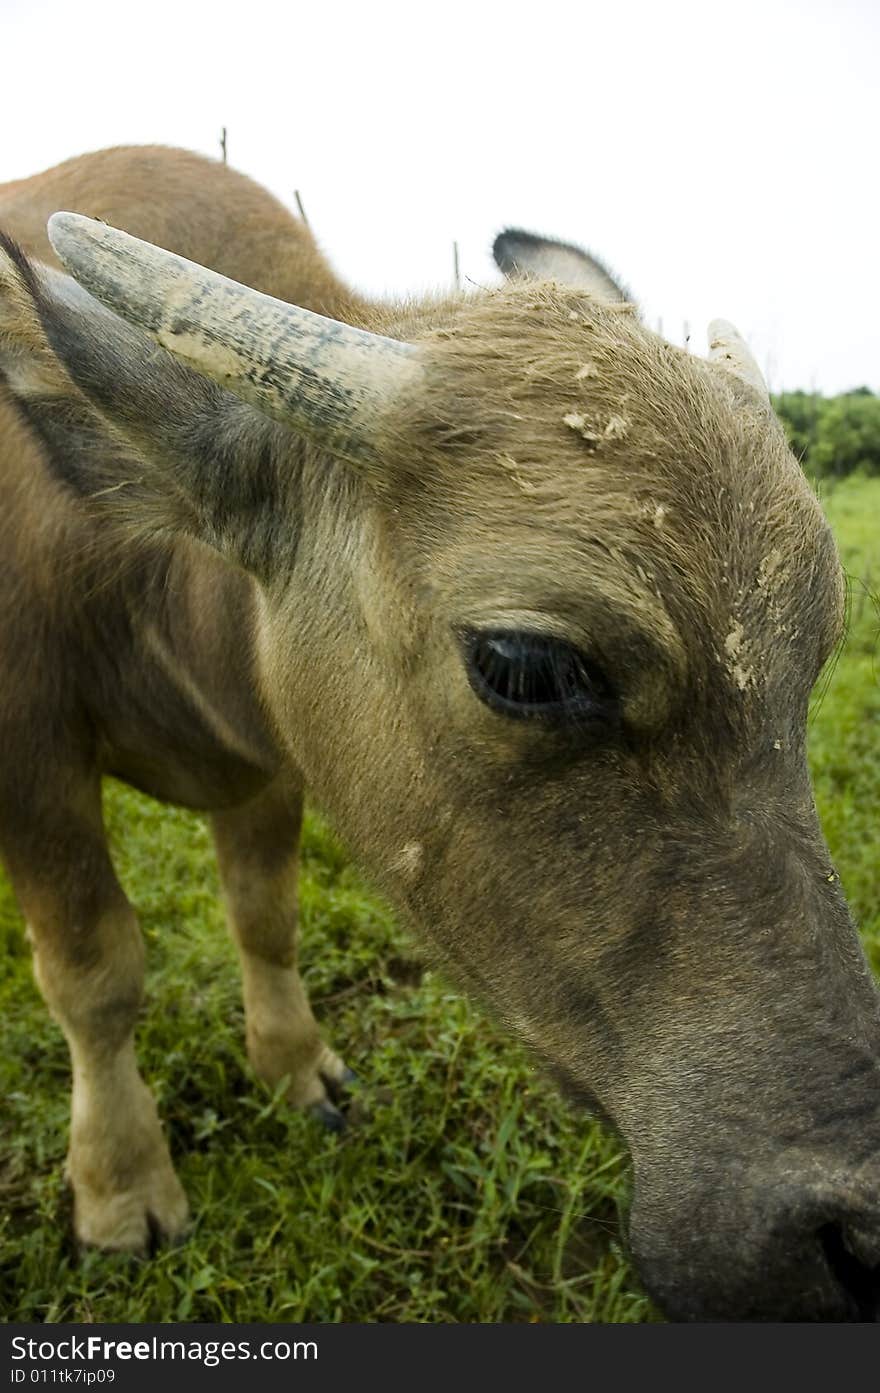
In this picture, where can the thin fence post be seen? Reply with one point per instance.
(299, 204)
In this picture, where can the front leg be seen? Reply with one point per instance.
(89, 965)
(258, 853)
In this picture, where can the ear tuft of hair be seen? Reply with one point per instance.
(13, 253)
(19, 290)
(27, 362)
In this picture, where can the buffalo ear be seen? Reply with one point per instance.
(146, 442)
(522, 254)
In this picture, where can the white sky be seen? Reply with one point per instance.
(724, 158)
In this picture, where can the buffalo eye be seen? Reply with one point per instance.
(534, 677)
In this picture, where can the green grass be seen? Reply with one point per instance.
(845, 720)
(468, 1192)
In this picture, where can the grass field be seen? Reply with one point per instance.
(468, 1192)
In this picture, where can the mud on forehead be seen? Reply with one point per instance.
(546, 416)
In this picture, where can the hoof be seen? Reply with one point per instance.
(329, 1116)
(337, 1088)
(140, 1220)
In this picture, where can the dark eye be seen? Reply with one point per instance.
(530, 676)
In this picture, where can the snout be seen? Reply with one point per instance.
(776, 1249)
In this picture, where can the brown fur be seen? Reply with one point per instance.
(203, 210)
(646, 900)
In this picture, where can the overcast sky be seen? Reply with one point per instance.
(724, 158)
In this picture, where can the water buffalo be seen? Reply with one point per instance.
(532, 602)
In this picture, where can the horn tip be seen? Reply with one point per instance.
(720, 332)
(65, 228)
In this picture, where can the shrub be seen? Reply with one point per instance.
(833, 436)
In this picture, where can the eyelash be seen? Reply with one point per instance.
(529, 676)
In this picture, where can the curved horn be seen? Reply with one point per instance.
(729, 350)
(329, 380)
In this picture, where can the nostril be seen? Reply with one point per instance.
(860, 1280)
